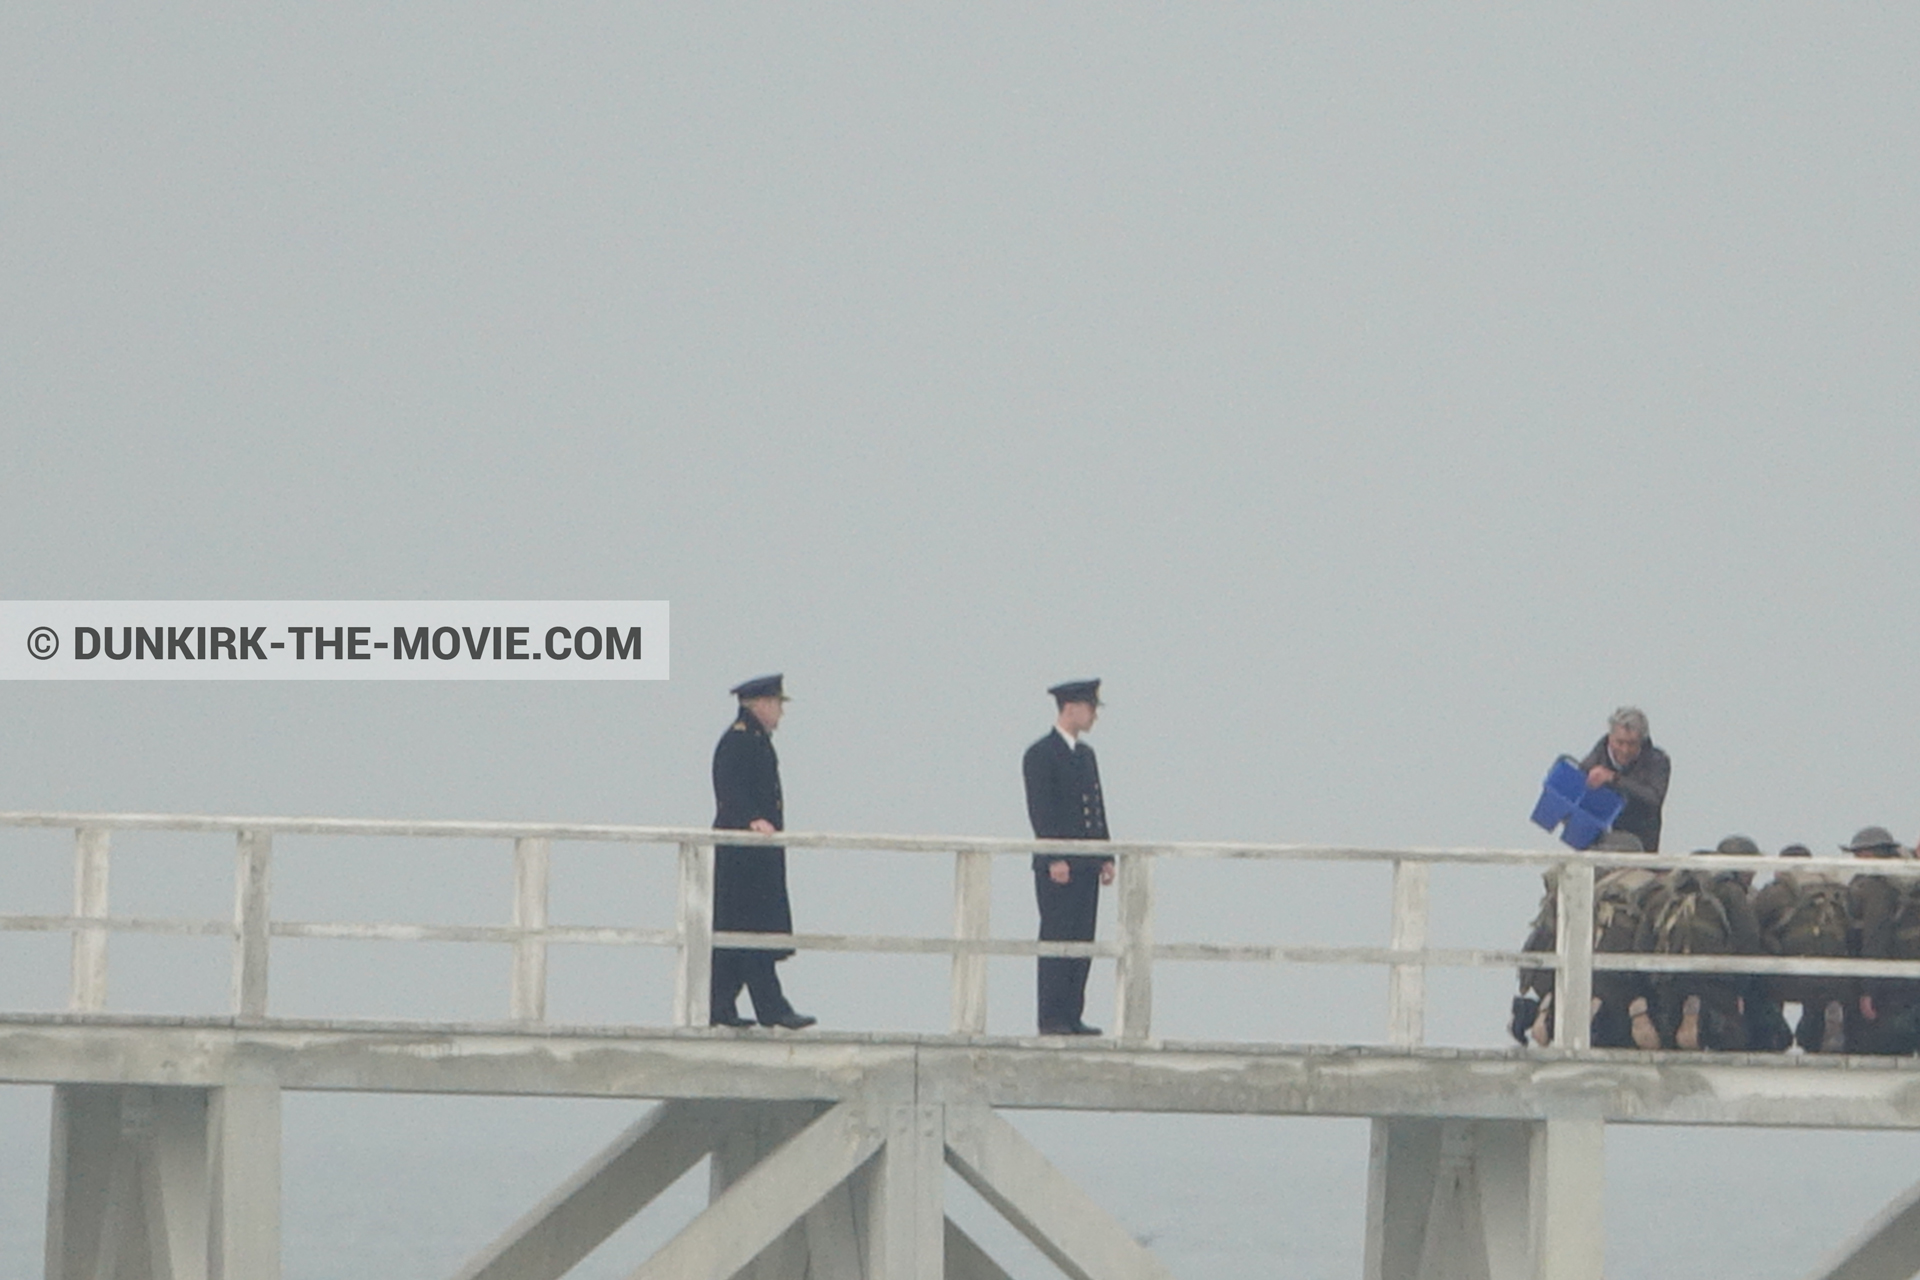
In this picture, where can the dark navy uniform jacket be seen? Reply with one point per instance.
(749, 884)
(1063, 797)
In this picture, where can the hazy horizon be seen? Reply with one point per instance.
(1374, 398)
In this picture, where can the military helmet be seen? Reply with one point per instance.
(1875, 842)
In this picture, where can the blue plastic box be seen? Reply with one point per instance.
(1592, 817)
(1563, 789)
(1589, 812)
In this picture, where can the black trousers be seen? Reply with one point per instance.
(735, 967)
(1813, 995)
(1895, 1031)
(1067, 914)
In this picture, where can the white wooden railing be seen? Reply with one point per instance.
(1407, 956)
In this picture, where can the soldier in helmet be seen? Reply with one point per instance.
(750, 881)
(1886, 911)
(1698, 911)
(1618, 894)
(1064, 803)
(1808, 913)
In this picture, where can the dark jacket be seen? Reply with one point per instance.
(749, 884)
(1875, 901)
(1063, 796)
(1644, 785)
(1773, 908)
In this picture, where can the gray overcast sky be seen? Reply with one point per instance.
(1376, 398)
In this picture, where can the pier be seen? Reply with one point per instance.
(827, 1151)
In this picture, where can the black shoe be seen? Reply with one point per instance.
(1082, 1029)
(1056, 1028)
(791, 1020)
(728, 1019)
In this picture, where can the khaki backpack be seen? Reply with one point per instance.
(1689, 918)
(1906, 920)
(1818, 923)
(1619, 903)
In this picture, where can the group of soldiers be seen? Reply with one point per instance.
(1808, 913)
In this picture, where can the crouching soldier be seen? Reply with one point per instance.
(1701, 913)
(1810, 914)
(1886, 911)
(1617, 903)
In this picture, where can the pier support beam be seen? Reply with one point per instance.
(164, 1183)
(1061, 1220)
(598, 1200)
(755, 1133)
(1485, 1200)
(765, 1202)
(906, 1201)
(810, 1190)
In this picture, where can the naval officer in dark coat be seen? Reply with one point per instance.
(1064, 803)
(750, 882)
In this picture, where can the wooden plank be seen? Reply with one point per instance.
(693, 986)
(85, 1148)
(246, 1183)
(1403, 1160)
(531, 864)
(1568, 1168)
(1133, 994)
(1573, 983)
(88, 990)
(1061, 1220)
(766, 1200)
(252, 916)
(972, 909)
(176, 1193)
(1407, 983)
(833, 1231)
(122, 924)
(754, 1131)
(916, 844)
(905, 1235)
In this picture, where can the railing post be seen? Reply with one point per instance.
(531, 858)
(972, 905)
(1573, 977)
(253, 862)
(1407, 983)
(88, 990)
(1133, 1012)
(693, 994)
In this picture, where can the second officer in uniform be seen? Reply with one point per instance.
(1064, 803)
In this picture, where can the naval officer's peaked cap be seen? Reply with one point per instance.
(1077, 691)
(760, 687)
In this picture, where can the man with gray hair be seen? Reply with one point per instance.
(1627, 761)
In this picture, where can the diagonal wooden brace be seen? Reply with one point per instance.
(1063, 1222)
(552, 1237)
(776, 1193)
